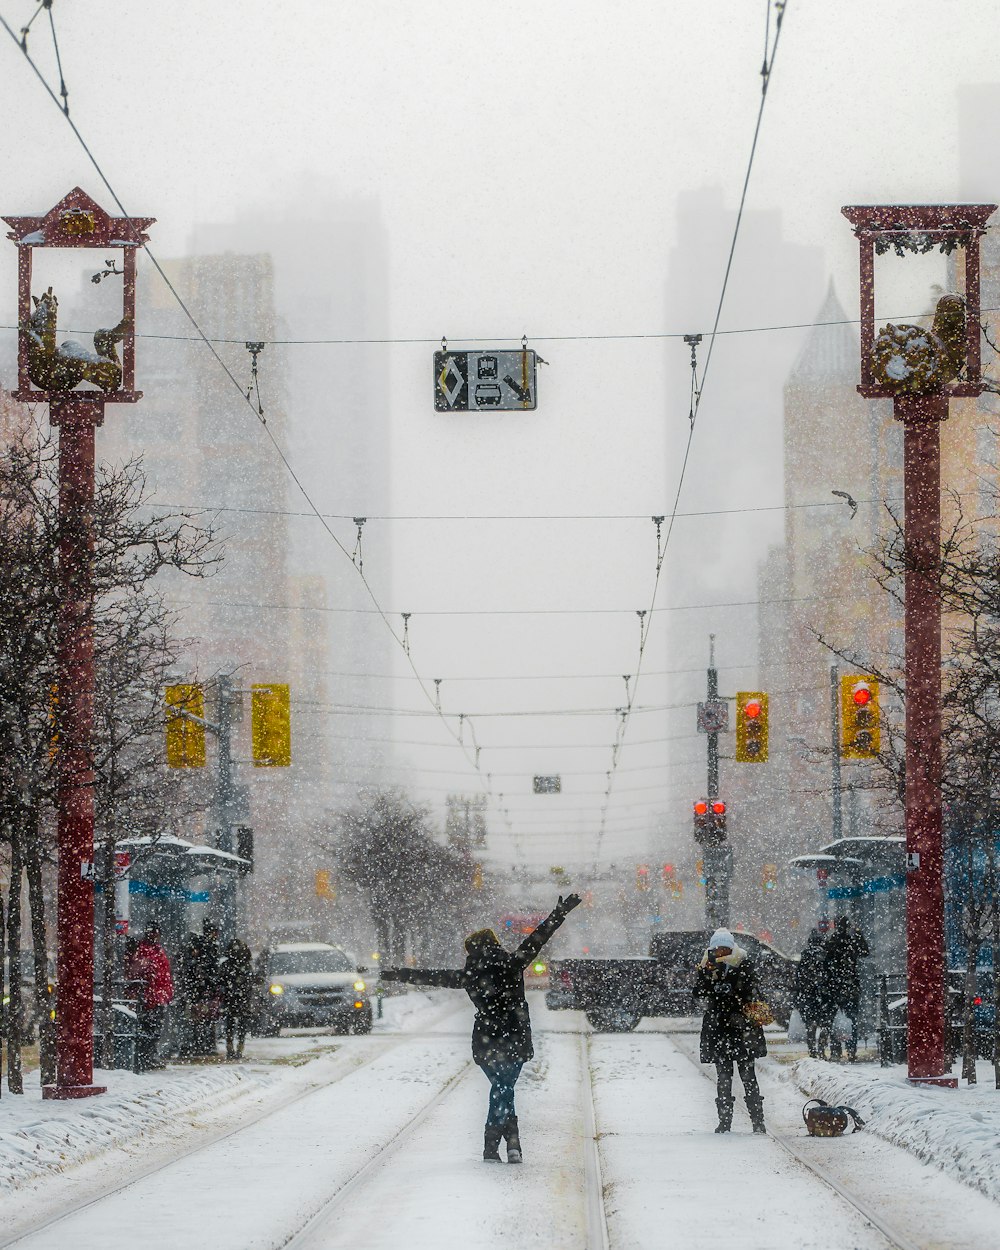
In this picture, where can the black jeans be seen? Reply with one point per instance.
(150, 1026)
(748, 1075)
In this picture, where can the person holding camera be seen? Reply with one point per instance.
(501, 1035)
(731, 1035)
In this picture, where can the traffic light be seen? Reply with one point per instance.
(668, 875)
(185, 736)
(642, 877)
(271, 726)
(860, 738)
(710, 822)
(751, 727)
(324, 884)
(477, 876)
(769, 877)
(699, 867)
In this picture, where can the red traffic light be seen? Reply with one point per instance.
(719, 808)
(752, 709)
(861, 694)
(668, 869)
(700, 808)
(977, 1001)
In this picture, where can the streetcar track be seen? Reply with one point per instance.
(596, 1215)
(896, 1239)
(206, 1143)
(302, 1236)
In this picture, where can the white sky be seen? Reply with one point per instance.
(526, 162)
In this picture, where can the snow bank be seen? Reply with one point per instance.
(956, 1130)
(39, 1139)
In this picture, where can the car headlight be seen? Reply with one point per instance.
(359, 986)
(275, 988)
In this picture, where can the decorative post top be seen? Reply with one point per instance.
(78, 221)
(916, 362)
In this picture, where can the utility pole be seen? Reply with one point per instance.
(717, 856)
(838, 810)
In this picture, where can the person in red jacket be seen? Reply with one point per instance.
(151, 965)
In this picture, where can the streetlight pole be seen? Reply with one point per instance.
(920, 370)
(50, 372)
(838, 810)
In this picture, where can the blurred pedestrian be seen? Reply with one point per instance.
(238, 998)
(726, 983)
(811, 995)
(501, 1035)
(844, 948)
(202, 988)
(150, 964)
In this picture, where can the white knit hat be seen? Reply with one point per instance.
(722, 937)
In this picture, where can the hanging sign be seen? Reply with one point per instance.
(491, 380)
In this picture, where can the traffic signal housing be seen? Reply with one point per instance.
(271, 725)
(769, 878)
(860, 737)
(751, 727)
(710, 822)
(185, 734)
(642, 877)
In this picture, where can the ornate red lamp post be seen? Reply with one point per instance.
(76, 383)
(920, 370)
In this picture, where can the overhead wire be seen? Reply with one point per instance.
(244, 396)
(646, 621)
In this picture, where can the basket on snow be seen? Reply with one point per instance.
(822, 1120)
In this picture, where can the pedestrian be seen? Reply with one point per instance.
(726, 982)
(150, 964)
(811, 995)
(237, 996)
(202, 988)
(501, 1035)
(844, 947)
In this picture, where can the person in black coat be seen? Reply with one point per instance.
(237, 977)
(811, 995)
(844, 947)
(501, 1035)
(726, 982)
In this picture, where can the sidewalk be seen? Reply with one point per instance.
(957, 1131)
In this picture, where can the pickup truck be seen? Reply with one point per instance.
(615, 994)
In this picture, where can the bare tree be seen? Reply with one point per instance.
(132, 544)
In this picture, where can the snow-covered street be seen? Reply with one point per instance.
(375, 1142)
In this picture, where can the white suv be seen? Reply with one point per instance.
(311, 983)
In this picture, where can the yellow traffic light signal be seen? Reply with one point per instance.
(271, 725)
(324, 884)
(477, 876)
(185, 737)
(751, 727)
(860, 738)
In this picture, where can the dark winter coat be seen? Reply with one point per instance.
(725, 987)
(494, 980)
(237, 979)
(811, 992)
(201, 978)
(844, 947)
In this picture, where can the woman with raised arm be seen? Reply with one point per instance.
(501, 1035)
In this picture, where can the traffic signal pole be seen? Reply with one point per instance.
(718, 860)
(838, 809)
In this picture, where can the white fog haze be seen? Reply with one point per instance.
(496, 627)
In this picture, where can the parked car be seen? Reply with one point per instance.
(311, 984)
(617, 993)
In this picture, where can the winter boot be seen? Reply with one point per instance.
(725, 1106)
(491, 1143)
(755, 1105)
(513, 1141)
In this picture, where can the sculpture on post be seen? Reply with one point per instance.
(62, 368)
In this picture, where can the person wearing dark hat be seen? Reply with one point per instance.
(726, 983)
(202, 987)
(501, 1035)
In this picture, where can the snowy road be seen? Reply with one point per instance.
(384, 1152)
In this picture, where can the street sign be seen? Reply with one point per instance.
(713, 716)
(547, 785)
(491, 380)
